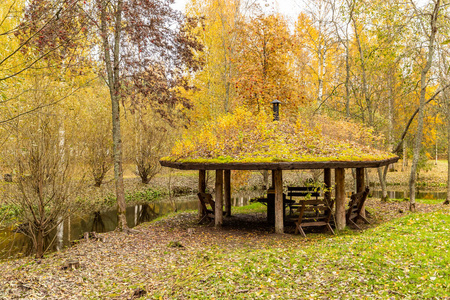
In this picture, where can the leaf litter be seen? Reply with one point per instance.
(404, 256)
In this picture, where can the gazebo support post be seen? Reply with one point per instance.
(218, 218)
(278, 184)
(327, 182)
(227, 192)
(201, 189)
(360, 186)
(273, 179)
(340, 198)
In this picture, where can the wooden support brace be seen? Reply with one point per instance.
(279, 220)
(227, 192)
(327, 182)
(201, 189)
(340, 198)
(219, 199)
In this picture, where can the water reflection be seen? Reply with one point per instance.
(431, 195)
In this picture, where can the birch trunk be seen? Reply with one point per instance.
(420, 120)
(382, 176)
(112, 71)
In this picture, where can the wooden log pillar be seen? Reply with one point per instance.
(278, 183)
(327, 182)
(227, 192)
(219, 199)
(201, 189)
(339, 175)
(273, 179)
(360, 186)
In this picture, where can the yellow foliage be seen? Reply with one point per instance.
(245, 137)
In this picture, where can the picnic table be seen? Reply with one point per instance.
(269, 201)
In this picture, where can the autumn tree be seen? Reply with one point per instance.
(429, 28)
(264, 65)
(96, 140)
(150, 138)
(135, 36)
(216, 30)
(38, 150)
(314, 34)
(132, 37)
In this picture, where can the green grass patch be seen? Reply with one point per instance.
(406, 258)
(251, 208)
(430, 201)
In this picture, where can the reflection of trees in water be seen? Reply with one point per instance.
(147, 213)
(97, 223)
(14, 244)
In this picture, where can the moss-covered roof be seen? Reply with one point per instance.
(245, 141)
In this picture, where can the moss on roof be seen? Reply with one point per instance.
(242, 137)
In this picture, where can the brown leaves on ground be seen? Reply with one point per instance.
(131, 265)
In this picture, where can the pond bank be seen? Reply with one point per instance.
(15, 244)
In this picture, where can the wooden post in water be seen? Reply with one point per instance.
(340, 198)
(201, 189)
(327, 182)
(278, 183)
(227, 192)
(219, 199)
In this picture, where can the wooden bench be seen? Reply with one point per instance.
(205, 200)
(314, 213)
(355, 207)
(302, 192)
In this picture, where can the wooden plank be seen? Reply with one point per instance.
(303, 194)
(303, 188)
(227, 192)
(279, 222)
(313, 224)
(201, 189)
(340, 198)
(312, 202)
(327, 182)
(277, 165)
(219, 198)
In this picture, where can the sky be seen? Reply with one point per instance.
(289, 8)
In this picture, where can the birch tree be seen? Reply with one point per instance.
(428, 23)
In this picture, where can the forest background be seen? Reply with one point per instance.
(72, 72)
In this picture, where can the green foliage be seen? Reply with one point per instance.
(9, 212)
(147, 195)
(134, 197)
(245, 137)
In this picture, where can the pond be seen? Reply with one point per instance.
(430, 195)
(14, 244)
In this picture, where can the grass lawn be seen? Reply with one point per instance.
(406, 258)
(173, 258)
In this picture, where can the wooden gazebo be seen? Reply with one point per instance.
(243, 141)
